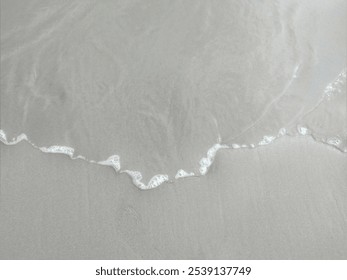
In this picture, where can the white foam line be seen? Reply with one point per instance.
(157, 180)
(336, 85)
(3, 138)
(113, 161)
(59, 150)
(206, 162)
(184, 174)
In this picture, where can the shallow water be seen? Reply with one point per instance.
(159, 87)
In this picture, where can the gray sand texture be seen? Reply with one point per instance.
(232, 117)
(282, 201)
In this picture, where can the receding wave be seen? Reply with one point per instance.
(155, 89)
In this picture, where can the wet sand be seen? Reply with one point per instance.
(157, 84)
(161, 86)
(286, 200)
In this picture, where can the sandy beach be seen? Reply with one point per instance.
(226, 125)
(283, 201)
